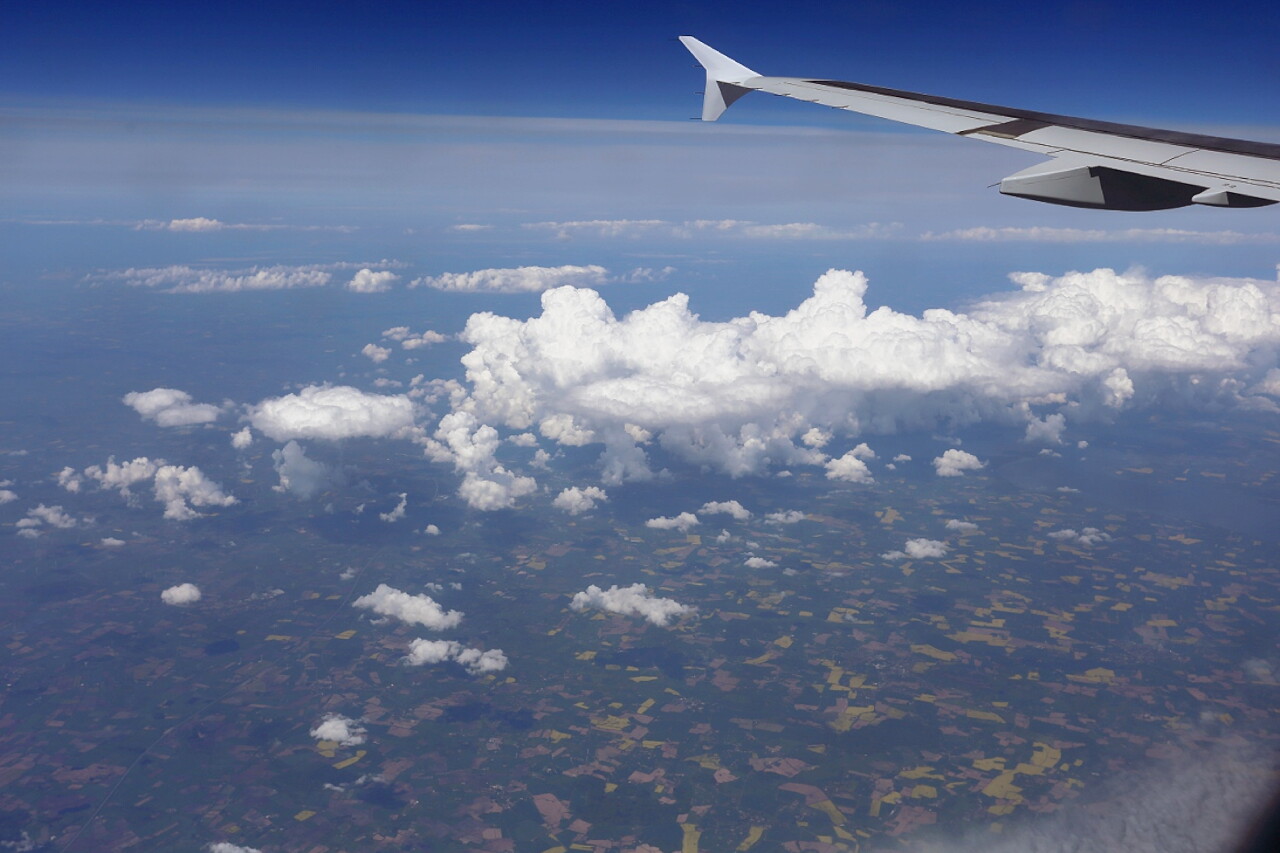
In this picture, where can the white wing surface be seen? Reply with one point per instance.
(1095, 164)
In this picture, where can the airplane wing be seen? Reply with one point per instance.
(1095, 164)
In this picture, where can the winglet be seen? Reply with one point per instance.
(723, 75)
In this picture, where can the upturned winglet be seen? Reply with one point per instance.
(723, 75)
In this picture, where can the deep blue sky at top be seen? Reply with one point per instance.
(1188, 63)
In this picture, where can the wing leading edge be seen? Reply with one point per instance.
(1095, 164)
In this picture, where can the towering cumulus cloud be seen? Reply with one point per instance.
(760, 391)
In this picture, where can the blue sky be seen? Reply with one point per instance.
(392, 123)
(1187, 62)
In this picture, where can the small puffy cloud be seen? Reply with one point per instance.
(242, 439)
(902, 457)
(918, 549)
(849, 468)
(576, 501)
(964, 528)
(368, 281)
(298, 474)
(375, 353)
(785, 516)
(816, 438)
(183, 593)
(760, 563)
(517, 280)
(9, 496)
(228, 847)
(634, 600)
(562, 429)
(1046, 430)
(169, 407)
(954, 462)
(121, 476)
(111, 542)
(398, 512)
(731, 508)
(431, 530)
(1117, 388)
(68, 478)
(341, 730)
(333, 412)
(681, 522)
(494, 490)
(1086, 537)
(469, 227)
(470, 446)
(409, 340)
(42, 515)
(476, 662)
(411, 609)
(180, 488)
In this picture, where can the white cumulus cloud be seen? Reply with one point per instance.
(396, 513)
(476, 662)
(180, 488)
(1086, 537)
(731, 508)
(169, 407)
(634, 600)
(183, 593)
(121, 476)
(375, 353)
(342, 730)
(333, 412)
(575, 500)
(682, 522)
(408, 340)
(784, 516)
(411, 609)
(849, 468)
(368, 281)
(962, 527)
(953, 463)
(918, 549)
